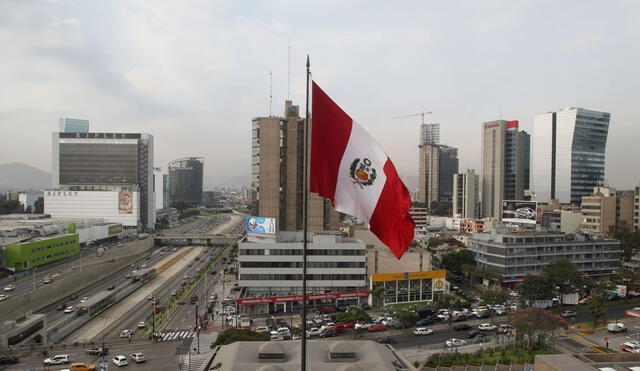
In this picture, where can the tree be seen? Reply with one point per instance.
(405, 316)
(494, 297)
(535, 320)
(629, 239)
(377, 295)
(596, 306)
(231, 335)
(535, 287)
(39, 205)
(454, 261)
(353, 314)
(625, 276)
(28, 210)
(10, 207)
(564, 275)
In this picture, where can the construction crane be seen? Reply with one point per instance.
(429, 133)
(419, 114)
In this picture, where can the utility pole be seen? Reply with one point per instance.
(197, 328)
(34, 277)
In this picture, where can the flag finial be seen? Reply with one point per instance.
(308, 64)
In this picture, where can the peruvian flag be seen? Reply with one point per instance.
(353, 171)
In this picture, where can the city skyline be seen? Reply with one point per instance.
(194, 76)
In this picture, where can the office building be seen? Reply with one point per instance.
(28, 200)
(277, 173)
(103, 175)
(158, 187)
(513, 254)
(186, 176)
(568, 153)
(341, 355)
(606, 208)
(466, 198)
(636, 208)
(437, 164)
(166, 191)
(429, 134)
(505, 165)
(68, 125)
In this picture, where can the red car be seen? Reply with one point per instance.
(472, 334)
(377, 327)
(346, 325)
(340, 328)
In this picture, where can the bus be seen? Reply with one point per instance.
(143, 275)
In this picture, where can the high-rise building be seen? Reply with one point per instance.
(158, 187)
(166, 191)
(437, 164)
(466, 197)
(68, 125)
(505, 165)
(186, 176)
(606, 208)
(429, 134)
(103, 175)
(277, 165)
(636, 208)
(568, 153)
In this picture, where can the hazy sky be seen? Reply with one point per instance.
(193, 73)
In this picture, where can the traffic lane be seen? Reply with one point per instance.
(160, 356)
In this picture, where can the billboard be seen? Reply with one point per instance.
(257, 224)
(519, 211)
(125, 202)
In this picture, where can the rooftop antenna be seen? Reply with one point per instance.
(289, 71)
(270, 91)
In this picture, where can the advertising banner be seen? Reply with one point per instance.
(519, 211)
(257, 224)
(125, 202)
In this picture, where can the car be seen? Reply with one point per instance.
(462, 327)
(376, 327)
(120, 360)
(314, 332)
(328, 333)
(617, 327)
(362, 326)
(472, 334)
(62, 306)
(142, 324)
(8, 360)
(111, 287)
(261, 329)
(79, 366)
(84, 299)
(10, 287)
(97, 351)
(459, 318)
(425, 322)
(569, 314)
(143, 265)
(48, 279)
(128, 275)
(151, 297)
(3, 297)
(630, 346)
(387, 340)
(455, 342)
(70, 309)
(505, 328)
(57, 360)
(421, 331)
(138, 357)
(125, 333)
(487, 327)
(174, 292)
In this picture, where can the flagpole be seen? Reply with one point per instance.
(305, 210)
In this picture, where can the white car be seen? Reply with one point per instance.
(120, 360)
(314, 332)
(455, 342)
(630, 346)
(10, 288)
(421, 331)
(138, 357)
(69, 309)
(487, 327)
(3, 297)
(362, 326)
(57, 360)
(84, 299)
(125, 334)
(142, 324)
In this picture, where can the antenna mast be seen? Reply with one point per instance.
(289, 71)
(270, 91)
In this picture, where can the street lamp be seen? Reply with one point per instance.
(34, 277)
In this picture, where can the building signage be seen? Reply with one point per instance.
(125, 202)
(519, 211)
(115, 229)
(257, 224)
(405, 276)
(297, 298)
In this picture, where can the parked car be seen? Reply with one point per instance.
(97, 351)
(617, 327)
(142, 324)
(462, 327)
(630, 346)
(455, 342)
(425, 322)
(387, 340)
(3, 297)
(10, 287)
(487, 327)
(361, 326)
(138, 357)
(8, 360)
(504, 328)
(328, 333)
(120, 360)
(421, 331)
(376, 327)
(314, 332)
(261, 329)
(57, 360)
(569, 314)
(472, 334)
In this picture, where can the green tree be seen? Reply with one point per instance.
(39, 205)
(625, 276)
(231, 335)
(28, 210)
(405, 316)
(629, 239)
(10, 207)
(596, 306)
(565, 276)
(494, 297)
(535, 287)
(454, 261)
(377, 295)
(535, 320)
(353, 314)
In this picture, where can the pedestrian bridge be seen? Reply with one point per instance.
(195, 239)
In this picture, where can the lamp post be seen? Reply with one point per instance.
(197, 328)
(34, 277)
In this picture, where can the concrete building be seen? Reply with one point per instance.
(103, 175)
(68, 125)
(429, 134)
(466, 198)
(404, 287)
(568, 153)
(606, 208)
(31, 329)
(513, 254)
(322, 355)
(420, 216)
(186, 176)
(436, 166)
(27, 199)
(505, 165)
(277, 171)
(636, 208)
(158, 187)
(166, 191)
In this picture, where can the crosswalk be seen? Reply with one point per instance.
(174, 335)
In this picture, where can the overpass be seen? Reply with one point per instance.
(207, 239)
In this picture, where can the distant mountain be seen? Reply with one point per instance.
(22, 177)
(233, 182)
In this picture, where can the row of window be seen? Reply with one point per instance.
(48, 257)
(298, 277)
(299, 252)
(299, 265)
(59, 244)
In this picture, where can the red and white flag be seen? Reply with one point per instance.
(352, 170)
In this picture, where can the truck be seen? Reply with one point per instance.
(619, 292)
(571, 299)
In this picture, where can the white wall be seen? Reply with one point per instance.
(90, 204)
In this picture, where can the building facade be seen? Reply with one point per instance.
(25, 255)
(277, 172)
(505, 165)
(186, 176)
(636, 208)
(429, 134)
(437, 165)
(158, 187)
(606, 208)
(568, 153)
(466, 198)
(68, 125)
(120, 164)
(512, 255)
(403, 287)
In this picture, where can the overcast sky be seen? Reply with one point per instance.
(194, 73)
